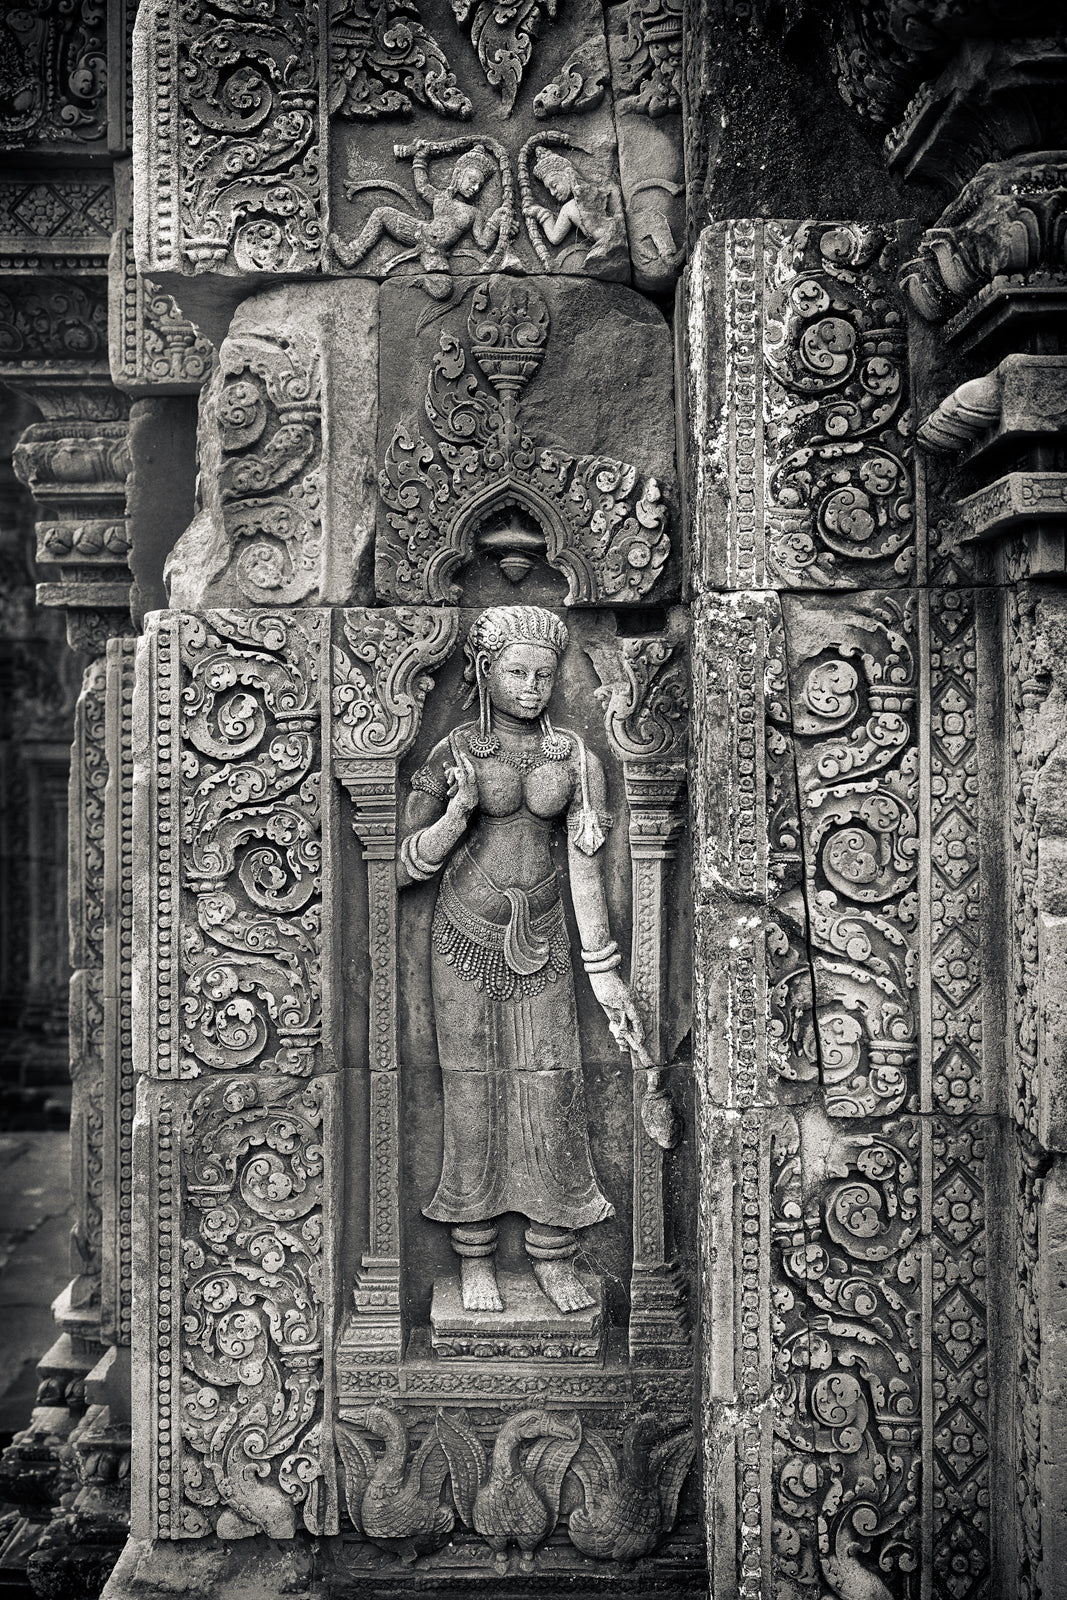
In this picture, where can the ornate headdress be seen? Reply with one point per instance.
(491, 633)
(479, 158)
(548, 161)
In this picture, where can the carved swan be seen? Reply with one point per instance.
(400, 1510)
(631, 1498)
(508, 1500)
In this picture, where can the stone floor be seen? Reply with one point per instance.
(35, 1222)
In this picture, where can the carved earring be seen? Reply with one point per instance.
(554, 746)
(484, 743)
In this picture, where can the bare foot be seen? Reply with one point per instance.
(477, 1276)
(560, 1282)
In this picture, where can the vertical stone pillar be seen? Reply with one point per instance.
(847, 869)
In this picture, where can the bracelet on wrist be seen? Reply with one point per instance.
(607, 965)
(610, 949)
(417, 868)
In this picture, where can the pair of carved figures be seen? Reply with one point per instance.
(481, 812)
(588, 215)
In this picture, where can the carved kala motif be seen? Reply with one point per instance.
(651, 80)
(601, 529)
(248, 161)
(266, 403)
(382, 58)
(853, 692)
(53, 74)
(250, 831)
(503, 33)
(838, 482)
(846, 1451)
(252, 1336)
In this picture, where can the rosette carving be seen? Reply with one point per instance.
(839, 492)
(250, 938)
(252, 1335)
(597, 523)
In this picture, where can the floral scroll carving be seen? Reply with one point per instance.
(839, 494)
(853, 686)
(252, 1335)
(266, 407)
(602, 528)
(54, 89)
(235, 180)
(846, 1457)
(250, 830)
(382, 58)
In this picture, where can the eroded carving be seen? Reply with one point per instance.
(251, 847)
(382, 58)
(601, 528)
(651, 79)
(588, 230)
(252, 1332)
(580, 84)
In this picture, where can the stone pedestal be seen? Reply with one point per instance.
(530, 1328)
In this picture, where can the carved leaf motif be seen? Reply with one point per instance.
(382, 679)
(382, 58)
(580, 84)
(503, 33)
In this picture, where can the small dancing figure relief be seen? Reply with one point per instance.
(483, 808)
(454, 214)
(589, 215)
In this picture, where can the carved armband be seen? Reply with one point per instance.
(428, 782)
(588, 828)
(416, 867)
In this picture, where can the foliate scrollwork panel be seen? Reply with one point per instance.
(239, 1319)
(854, 680)
(236, 720)
(839, 485)
(230, 139)
(799, 404)
(55, 83)
(847, 1258)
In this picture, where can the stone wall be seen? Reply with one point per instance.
(724, 345)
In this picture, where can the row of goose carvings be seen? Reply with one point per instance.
(545, 1467)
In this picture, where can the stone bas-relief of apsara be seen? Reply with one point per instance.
(481, 812)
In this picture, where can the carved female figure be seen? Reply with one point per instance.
(484, 807)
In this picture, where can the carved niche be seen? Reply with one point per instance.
(282, 1113)
(427, 1469)
(484, 476)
